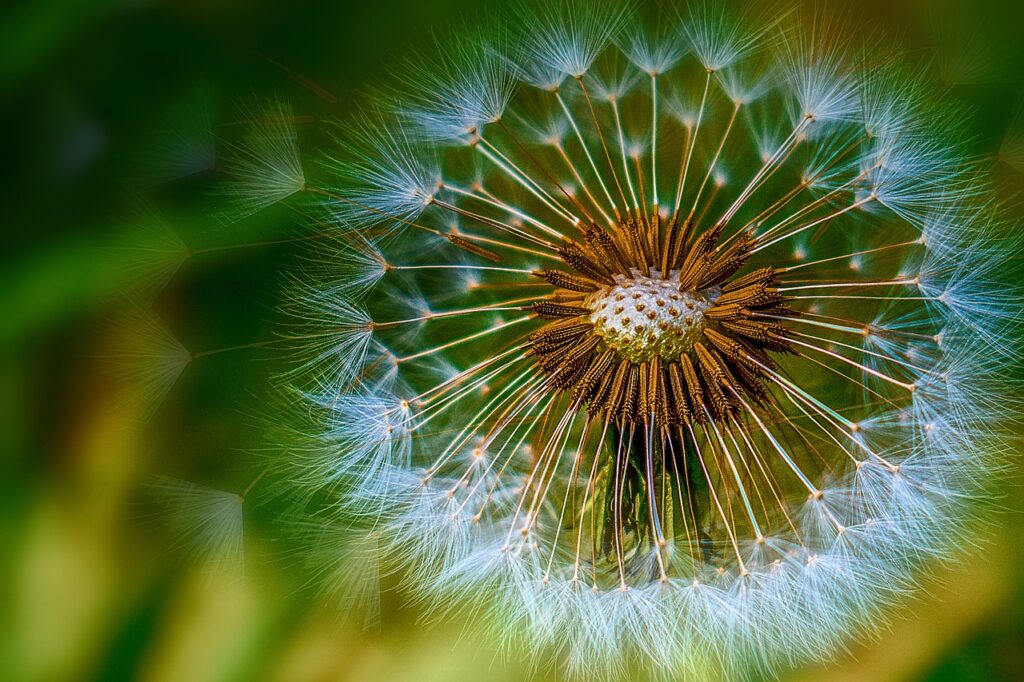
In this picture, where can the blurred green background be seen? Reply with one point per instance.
(113, 112)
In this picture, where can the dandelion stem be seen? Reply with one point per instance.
(654, 140)
(691, 142)
(887, 247)
(714, 159)
(604, 144)
(494, 155)
(586, 152)
(464, 339)
(505, 207)
(763, 173)
(854, 363)
(485, 220)
(832, 216)
(622, 150)
(485, 268)
(582, 183)
(714, 497)
(248, 489)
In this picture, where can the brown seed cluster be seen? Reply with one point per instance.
(651, 323)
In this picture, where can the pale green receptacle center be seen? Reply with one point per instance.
(646, 316)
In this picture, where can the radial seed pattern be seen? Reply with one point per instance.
(673, 344)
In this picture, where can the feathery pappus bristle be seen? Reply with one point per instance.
(145, 362)
(206, 522)
(264, 165)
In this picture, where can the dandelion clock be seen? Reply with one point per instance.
(679, 342)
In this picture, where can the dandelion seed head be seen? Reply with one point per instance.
(684, 360)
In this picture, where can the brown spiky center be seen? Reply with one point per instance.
(653, 324)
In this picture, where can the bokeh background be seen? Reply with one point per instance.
(114, 262)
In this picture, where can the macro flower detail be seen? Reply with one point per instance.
(681, 346)
(639, 347)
